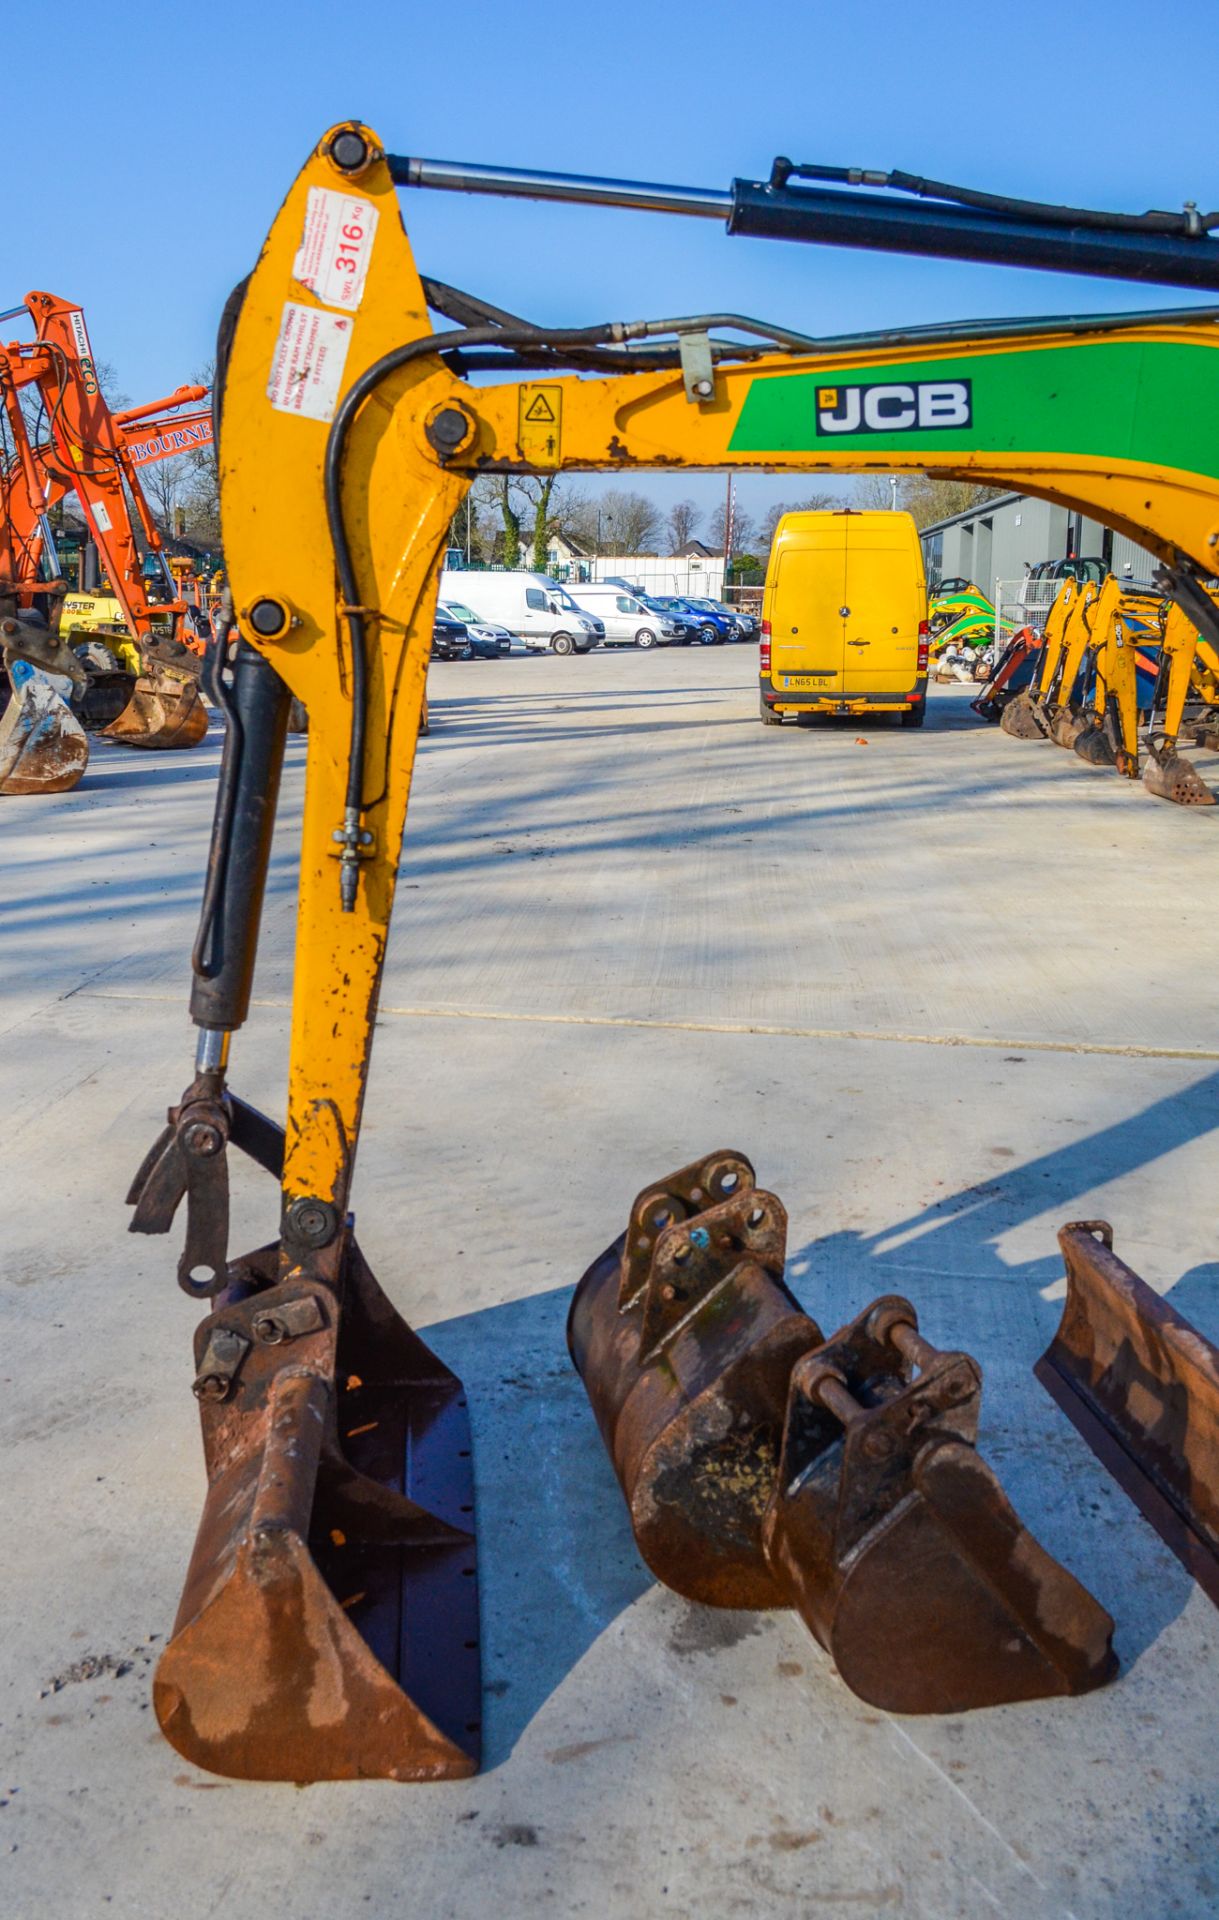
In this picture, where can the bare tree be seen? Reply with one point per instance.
(166, 486)
(872, 492)
(682, 520)
(629, 521)
(743, 529)
(929, 498)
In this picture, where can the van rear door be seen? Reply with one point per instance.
(808, 631)
(886, 596)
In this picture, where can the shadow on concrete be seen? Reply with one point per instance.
(557, 1560)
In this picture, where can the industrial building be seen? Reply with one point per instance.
(997, 541)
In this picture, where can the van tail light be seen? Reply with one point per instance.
(924, 637)
(764, 648)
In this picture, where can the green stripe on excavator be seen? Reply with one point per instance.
(1150, 401)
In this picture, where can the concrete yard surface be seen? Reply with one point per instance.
(947, 989)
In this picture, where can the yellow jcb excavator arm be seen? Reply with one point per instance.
(328, 1627)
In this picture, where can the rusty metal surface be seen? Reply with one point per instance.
(328, 1628)
(766, 1466)
(1091, 742)
(1067, 724)
(897, 1545)
(43, 748)
(1170, 777)
(165, 710)
(1142, 1386)
(1019, 719)
(685, 1336)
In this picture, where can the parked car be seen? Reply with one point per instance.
(450, 641)
(487, 642)
(685, 623)
(745, 624)
(538, 609)
(627, 620)
(711, 628)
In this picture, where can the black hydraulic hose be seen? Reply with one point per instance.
(354, 614)
(1190, 222)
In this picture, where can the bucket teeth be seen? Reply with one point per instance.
(764, 1465)
(328, 1629)
(1142, 1386)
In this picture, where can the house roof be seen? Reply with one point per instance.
(697, 550)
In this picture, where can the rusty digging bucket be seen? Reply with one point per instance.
(766, 1466)
(166, 709)
(1142, 1386)
(1171, 777)
(1020, 718)
(328, 1629)
(43, 748)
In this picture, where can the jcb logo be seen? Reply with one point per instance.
(926, 404)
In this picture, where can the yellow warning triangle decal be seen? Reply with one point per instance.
(540, 409)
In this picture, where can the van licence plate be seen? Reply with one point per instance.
(793, 682)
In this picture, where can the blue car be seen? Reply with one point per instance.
(710, 627)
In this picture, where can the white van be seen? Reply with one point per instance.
(628, 623)
(538, 610)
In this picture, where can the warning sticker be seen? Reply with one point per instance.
(101, 516)
(539, 425)
(307, 369)
(336, 247)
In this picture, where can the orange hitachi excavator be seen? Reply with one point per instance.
(78, 445)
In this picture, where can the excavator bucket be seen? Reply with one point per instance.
(43, 748)
(1171, 777)
(1067, 725)
(1019, 718)
(1142, 1386)
(685, 1337)
(766, 1466)
(897, 1545)
(165, 710)
(328, 1629)
(1090, 739)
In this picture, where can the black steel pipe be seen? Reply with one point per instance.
(944, 231)
(241, 842)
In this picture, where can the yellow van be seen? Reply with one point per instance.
(844, 618)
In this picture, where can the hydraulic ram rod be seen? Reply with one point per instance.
(867, 220)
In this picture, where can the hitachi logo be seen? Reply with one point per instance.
(923, 404)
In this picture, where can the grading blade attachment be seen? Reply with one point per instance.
(1142, 1386)
(766, 1466)
(897, 1545)
(328, 1629)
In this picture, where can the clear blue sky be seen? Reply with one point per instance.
(161, 140)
